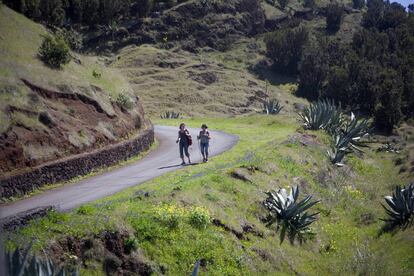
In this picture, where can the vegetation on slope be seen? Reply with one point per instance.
(225, 196)
(48, 113)
(371, 73)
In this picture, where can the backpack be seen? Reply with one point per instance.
(189, 139)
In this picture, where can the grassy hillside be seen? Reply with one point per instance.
(273, 152)
(29, 89)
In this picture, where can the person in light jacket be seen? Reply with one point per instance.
(204, 138)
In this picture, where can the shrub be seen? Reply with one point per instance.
(290, 214)
(358, 4)
(130, 244)
(72, 38)
(111, 264)
(85, 210)
(170, 215)
(400, 209)
(199, 217)
(271, 107)
(52, 11)
(283, 3)
(124, 101)
(334, 14)
(96, 74)
(285, 47)
(44, 118)
(309, 4)
(54, 51)
(142, 8)
(170, 115)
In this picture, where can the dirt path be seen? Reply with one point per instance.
(162, 160)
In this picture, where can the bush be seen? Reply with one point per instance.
(309, 4)
(334, 14)
(86, 210)
(283, 3)
(72, 38)
(199, 217)
(170, 215)
(124, 101)
(170, 115)
(358, 4)
(52, 11)
(54, 51)
(142, 8)
(285, 47)
(130, 244)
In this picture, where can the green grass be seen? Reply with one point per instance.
(346, 241)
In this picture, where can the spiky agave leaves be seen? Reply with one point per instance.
(348, 139)
(24, 264)
(271, 107)
(289, 214)
(170, 115)
(354, 130)
(323, 114)
(400, 209)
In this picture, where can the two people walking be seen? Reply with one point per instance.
(184, 140)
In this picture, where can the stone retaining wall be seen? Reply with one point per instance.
(68, 168)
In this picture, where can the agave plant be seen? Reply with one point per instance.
(323, 114)
(289, 214)
(336, 154)
(348, 139)
(353, 131)
(400, 209)
(170, 115)
(22, 264)
(271, 107)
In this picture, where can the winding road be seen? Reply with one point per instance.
(163, 159)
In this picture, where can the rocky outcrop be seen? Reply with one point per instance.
(82, 164)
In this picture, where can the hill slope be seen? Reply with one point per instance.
(48, 114)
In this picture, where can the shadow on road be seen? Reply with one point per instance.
(174, 166)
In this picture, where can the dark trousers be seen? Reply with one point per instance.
(183, 149)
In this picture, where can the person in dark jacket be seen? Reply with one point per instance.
(204, 138)
(183, 143)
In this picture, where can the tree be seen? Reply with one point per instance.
(388, 110)
(54, 51)
(358, 4)
(142, 8)
(283, 3)
(52, 11)
(312, 73)
(285, 47)
(309, 4)
(373, 16)
(334, 14)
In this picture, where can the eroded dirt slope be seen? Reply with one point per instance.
(48, 114)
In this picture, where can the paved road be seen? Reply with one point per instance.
(159, 161)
